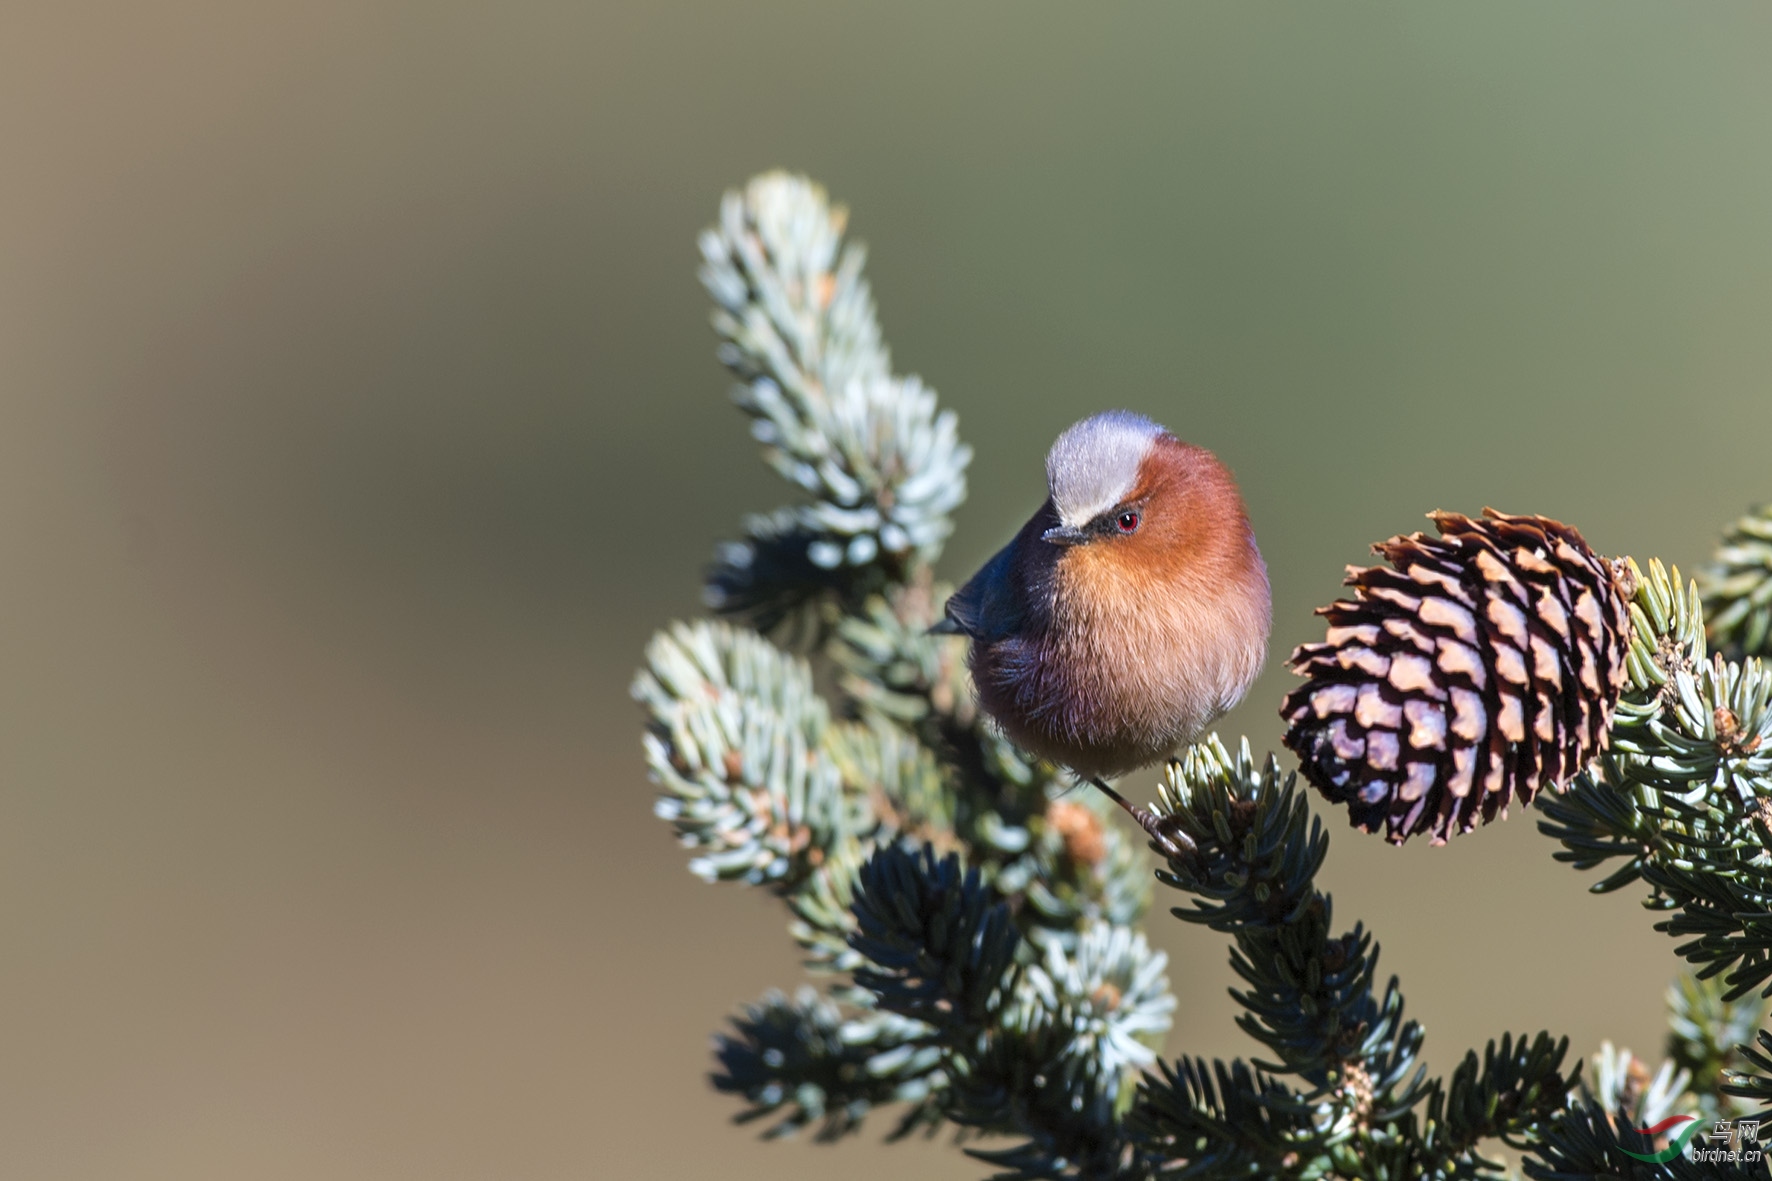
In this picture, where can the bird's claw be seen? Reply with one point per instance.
(1166, 838)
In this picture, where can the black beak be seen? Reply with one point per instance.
(1065, 535)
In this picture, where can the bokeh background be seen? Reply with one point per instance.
(359, 421)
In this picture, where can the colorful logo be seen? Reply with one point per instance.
(1672, 1150)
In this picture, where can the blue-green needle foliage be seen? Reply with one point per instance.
(1342, 1093)
(973, 922)
(1683, 803)
(882, 468)
(1709, 1038)
(1737, 587)
(1683, 800)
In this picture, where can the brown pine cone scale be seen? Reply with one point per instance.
(1476, 668)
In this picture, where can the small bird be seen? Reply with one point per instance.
(1128, 613)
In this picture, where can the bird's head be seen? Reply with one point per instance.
(1131, 499)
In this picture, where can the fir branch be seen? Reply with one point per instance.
(737, 744)
(1254, 856)
(1055, 1067)
(1584, 1142)
(791, 302)
(937, 941)
(803, 1060)
(1625, 1087)
(882, 466)
(1667, 638)
(1754, 1085)
(1008, 810)
(1087, 871)
(1310, 998)
(1257, 851)
(1597, 819)
(1707, 1036)
(1036, 1052)
(891, 665)
(906, 790)
(822, 921)
(1108, 993)
(1230, 1121)
(760, 776)
(1518, 1086)
(1015, 1083)
(1737, 587)
(769, 576)
(974, 924)
(1685, 796)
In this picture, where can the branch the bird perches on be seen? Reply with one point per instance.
(975, 929)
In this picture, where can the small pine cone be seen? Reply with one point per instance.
(1486, 664)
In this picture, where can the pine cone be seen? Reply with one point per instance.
(1485, 665)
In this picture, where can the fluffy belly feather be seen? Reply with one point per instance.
(1106, 697)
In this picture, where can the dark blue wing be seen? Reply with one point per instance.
(986, 608)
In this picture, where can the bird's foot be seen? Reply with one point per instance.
(1168, 840)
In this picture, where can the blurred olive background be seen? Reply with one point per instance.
(359, 422)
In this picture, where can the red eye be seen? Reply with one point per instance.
(1127, 522)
